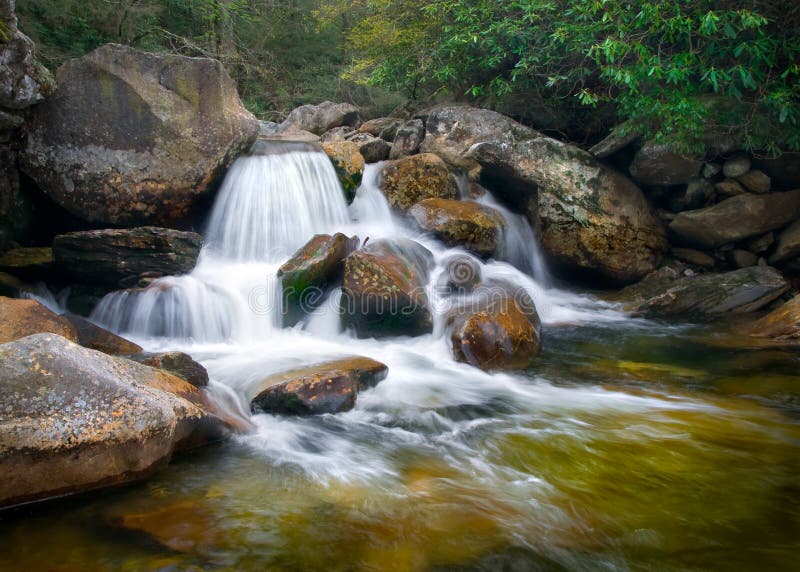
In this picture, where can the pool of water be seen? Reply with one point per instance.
(630, 446)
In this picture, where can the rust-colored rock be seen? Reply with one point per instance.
(409, 180)
(94, 337)
(328, 387)
(476, 227)
(20, 318)
(782, 324)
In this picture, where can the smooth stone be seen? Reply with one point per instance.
(729, 188)
(349, 165)
(695, 257)
(741, 258)
(407, 181)
(788, 244)
(21, 318)
(318, 119)
(408, 139)
(657, 165)
(755, 182)
(179, 364)
(478, 228)
(736, 166)
(94, 337)
(782, 324)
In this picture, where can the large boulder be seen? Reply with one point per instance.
(75, 419)
(132, 138)
(23, 80)
(311, 271)
(383, 289)
(736, 218)
(112, 256)
(329, 387)
(349, 165)
(94, 337)
(450, 132)
(592, 220)
(21, 318)
(409, 180)
(383, 127)
(476, 227)
(408, 139)
(782, 324)
(498, 329)
(707, 295)
(318, 119)
(657, 165)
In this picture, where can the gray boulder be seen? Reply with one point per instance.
(408, 139)
(658, 165)
(318, 119)
(132, 138)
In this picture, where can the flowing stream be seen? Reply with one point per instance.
(632, 445)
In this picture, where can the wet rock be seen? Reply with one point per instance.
(409, 180)
(450, 132)
(383, 289)
(736, 218)
(693, 257)
(736, 166)
(782, 324)
(497, 330)
(184, 526)
(383, 127)
(708, 295)
(329, 387)
(373, 149)
(311, 271)
(110, 256)
(476, 227)
(755, 182)
(740, 258)
(318, 119)
(592, 220)
(76, 419)
(729, 188)
(349, 165)
(462, 274)
(408, 139)
(133, 138)
(788, 246)
(21, 318)
(179, 364)
(94, 337)
(656, 164)
(23, 80)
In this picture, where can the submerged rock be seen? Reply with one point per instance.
(476, 227)
(329, 387)
(409, 180)
(499, 329)
(383, 289)
(20, 318)
(110, 256)
(76, 419)
(736, 218)
(318, 119)
(94, 337)
(311, 271)
(133, 138)
(707, 295)
(349, 165)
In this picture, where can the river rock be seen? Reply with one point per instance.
(729, 188)
(23, 80)
(409, 180)
(408, 139)
(94, 337)
(736, 218)
(592, 220)
(349, 165)
(450, 132)
(337, 134)
(476, 227)
(76, 419)
(760, 244)
(373, 149)
(179, 364)
(311, 271)
(740, 258)
(497, 330)
(383, 289)
(782, 324)
(110, 256)
(657, 165)
(22, 318)
(710, 295)
(34, 263)
(788, 246)
(694, 257)
(383, 127)
(329, 387)
(318, 119)
(736, 166)
(755, 182)
(133, 138)
(695, 195)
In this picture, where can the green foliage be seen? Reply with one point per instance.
(672, 67)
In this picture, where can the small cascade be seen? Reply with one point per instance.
(370, 209)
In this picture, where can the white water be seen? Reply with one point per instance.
(226, 314)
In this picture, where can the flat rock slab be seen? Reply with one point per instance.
(329, 387)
